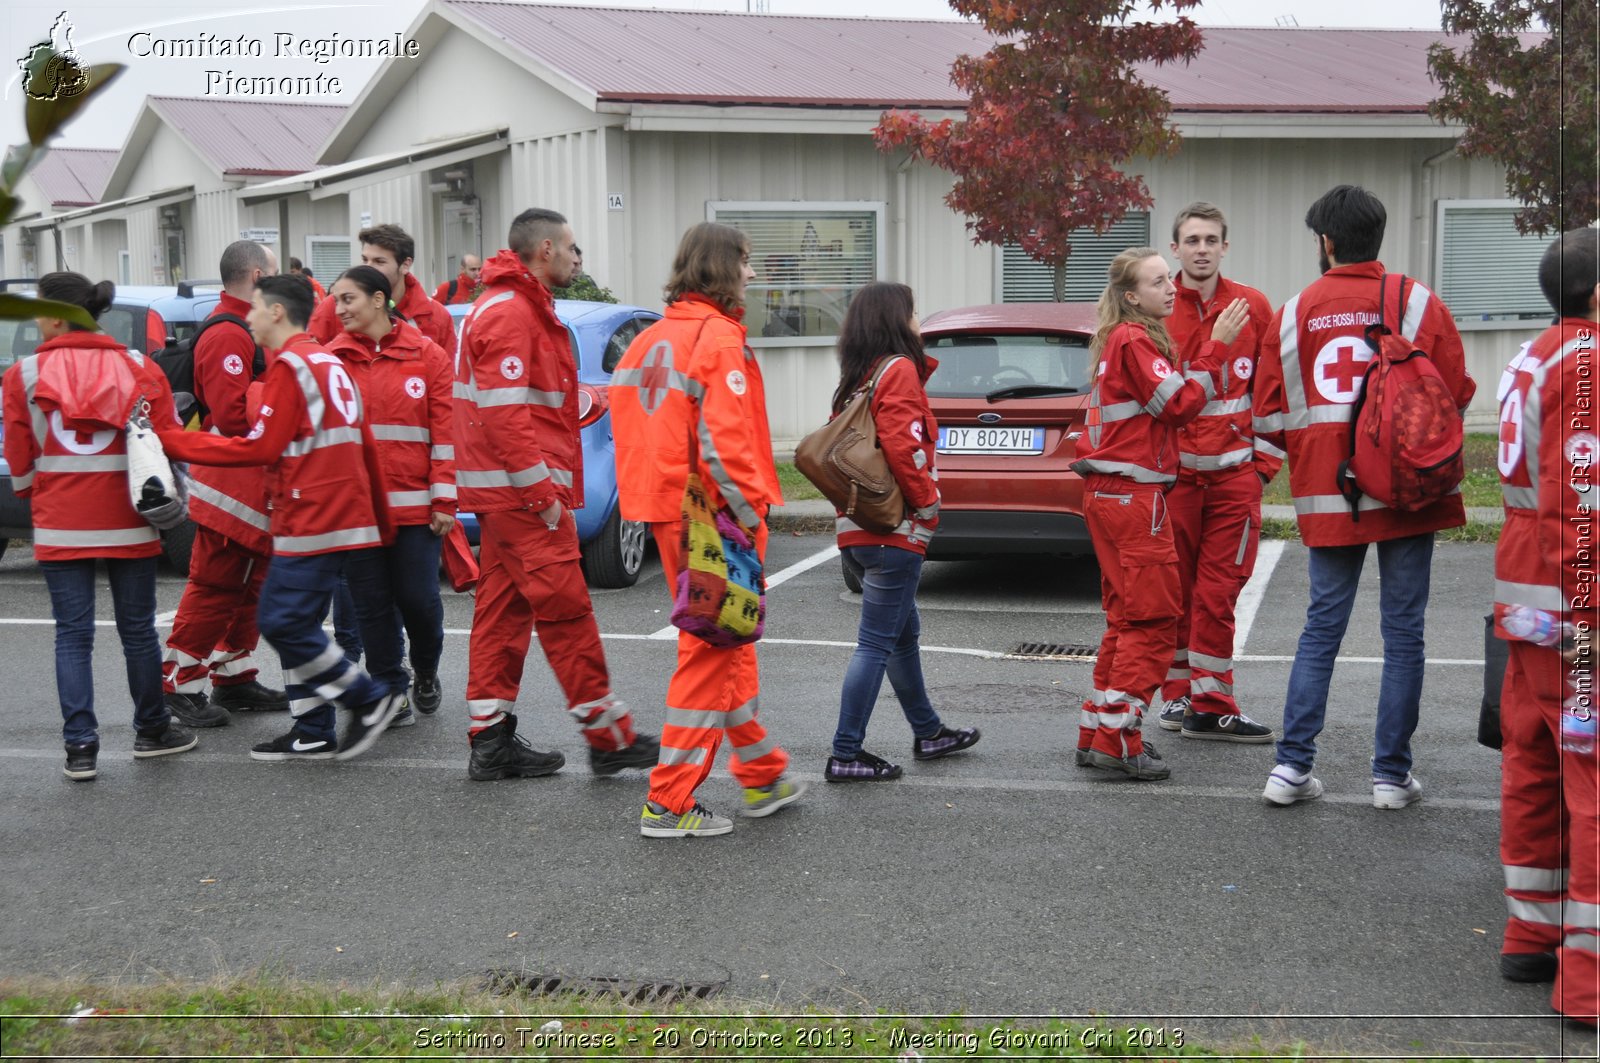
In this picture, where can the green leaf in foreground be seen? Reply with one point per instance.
(14, 307)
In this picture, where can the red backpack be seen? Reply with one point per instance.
(1405, 430)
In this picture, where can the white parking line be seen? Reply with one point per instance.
(1244, 613)
(784, 576)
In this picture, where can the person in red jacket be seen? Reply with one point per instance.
(214, 632)
(405, 382)
(880, 347)
(691, 373)
(77, 481)
(1550, 777)
(390, 250)
(1216, 503)
(1311, 371)
(519, 467)
(328, 510)
(1128, 458)
(464, 289)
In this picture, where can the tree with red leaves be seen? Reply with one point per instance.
(1530, 105)
(1055, 108)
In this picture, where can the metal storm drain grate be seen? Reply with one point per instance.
(1054, 651)
(627, 990)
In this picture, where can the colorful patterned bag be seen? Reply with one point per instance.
(721, 597)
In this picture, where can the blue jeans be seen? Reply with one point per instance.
(346, 622)
(294, 599)
(886, 642)
(394, 584)
(133, 600)
(1404, 567)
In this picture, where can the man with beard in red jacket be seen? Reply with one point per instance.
(519, 467)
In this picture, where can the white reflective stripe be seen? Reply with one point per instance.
(671, 755)
(561, 476)
(443, 452)
(1169, 386)
(1294, 391)
(409, 498)
(228, 504)
(81, 463)
(1126, 720)
(1207, 383)
(443, 490)
(403, 433)
(695, 719)
(1210, 663)
(464, 390)
(304, 673)
(743, 511)
(1225, 407)
(310, 544)
(30, 380)
(95, 537)
(487, 398)
(671, 379)
(301, 706)
(1088, 719)
(1263, 447)
(1586, 942)
(1546, 912)
(21, 481)
(1581, 915)
(488, 711)
(333, 437)
(180, 658)
(1541, 879)
(1533, 595)
(1136, 473)
(500, 478)
(742, 714)
(233, 664)
(755, 750)
(1119, 411)
(1175, 672)
(1338, 413)
(335, 688)
(1213, 462)
(919, 458)
(1207, 684)
(1272, 422)
(1324, 504)
(1416, 305)
(1520, 497)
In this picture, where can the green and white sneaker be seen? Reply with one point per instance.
(698, 822)
(765, 800)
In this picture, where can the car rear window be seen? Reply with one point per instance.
(972, 365)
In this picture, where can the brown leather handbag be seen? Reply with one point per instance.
(845, 462)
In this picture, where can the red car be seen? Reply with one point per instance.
(1010, 394)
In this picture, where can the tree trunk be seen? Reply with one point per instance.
(1059, 282)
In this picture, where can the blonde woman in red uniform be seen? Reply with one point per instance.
(1128, 458)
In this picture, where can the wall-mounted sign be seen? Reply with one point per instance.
(366, 219)
(260, 236)
(614, 201)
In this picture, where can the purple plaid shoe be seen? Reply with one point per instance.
(944, 743)
(864, 768)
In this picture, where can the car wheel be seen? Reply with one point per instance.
(851, 571)
(178, 544)
(614, 557)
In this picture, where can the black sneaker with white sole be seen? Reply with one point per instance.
(293, 746)
(170, 739)
(427, 694)
(1173, 713)
(367, 723)
(644, 753)
(81, 761)
(1231, 728)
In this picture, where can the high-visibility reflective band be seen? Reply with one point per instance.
(487, 398)
(1586, 942)
(1338, 413)
(1272, 422)
(321, 440)
(1209, 684)
(742, 714)
(1119, 411)
(696, 719)
(335, 688)
(443, 452)
(919, 458)
(661, 376)
(843, 525)
(561, 476)
(743, 511)
(1294, 389)
(443, 490)
(1541, 879)
(488, 711)
(1136, 473)
(1520, 497)
(30, 380)
(1127, 720)
(1545, 912)
(463, 389)
(919, 533)
(82, 463)
(1327, 504)
(315, 407)
(672, 755)
(409, 498)
(1088, 719)
(1225, 407)
(401, 433)
(611, 710)
(1207, 384)
(94, 537)
(1263, 447)
(756, 750)
(1178, 671)
(534, 474)
(1416, 304)
(301, 706)
(228, 504)
(311, 544)
(1169, 386)
(1210, 663)
(233, 664)
(1213, 462)
(1533, 595)
(180, 658)
(1581, 915)
(22, 481)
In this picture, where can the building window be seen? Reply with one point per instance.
(329, 256)
(1027, 280)
(810, 260)
(1485, 269)
(124, 267)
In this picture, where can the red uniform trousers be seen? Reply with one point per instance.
(214, 630)
(1549, 831)
(530, 579)
(1216, 526)
(713, 690)
(1139, 591)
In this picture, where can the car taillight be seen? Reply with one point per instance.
(592, 404)
(155, 332)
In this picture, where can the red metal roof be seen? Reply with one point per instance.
(74, 177)
(629, 55)
(1078, 318)
(251, 138)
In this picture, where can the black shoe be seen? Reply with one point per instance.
(863, 768)
(293, 746)
(170, 739)
(80, 761)
(944, 743)
(367, 722)
(1147, 766)
(1528, 966)
(426, 695)
(249, 697)
(1080, 757)
(498, 752)
(644, 753)
(1232, 728)
(196, 710)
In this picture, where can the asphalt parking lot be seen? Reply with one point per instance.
(1005, 882)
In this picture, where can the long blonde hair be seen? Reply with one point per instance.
(1115, 310)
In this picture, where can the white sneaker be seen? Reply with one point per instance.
(1285, 786)
(1386, 794)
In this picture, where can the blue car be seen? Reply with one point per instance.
(613, 548)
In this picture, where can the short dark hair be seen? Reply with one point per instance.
(295, 263)
(292, 293)
(239, 258)
(68, 287)
(531, 228)
(392, 239)
(1353, 219)
(1569, 271)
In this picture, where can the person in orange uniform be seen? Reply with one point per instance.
(405, 381)
(1128, 458)
(390, 250)
(691, 373)
(1550, 777)
(519, 467)
(1216, 503)
(328, 510)
(77, 482)
(297, 268)
(464, 288)
(214, 632)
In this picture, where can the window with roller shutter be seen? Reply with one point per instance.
(1027, 280)
(329, 256)
(1486, 270)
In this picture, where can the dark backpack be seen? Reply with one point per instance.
(177, 362)
(1405, 430)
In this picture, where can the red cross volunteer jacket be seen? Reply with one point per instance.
(414, 304)
(1220, 439)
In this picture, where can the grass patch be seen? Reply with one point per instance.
(1474, 531)
(1480, 487)
(796, 488)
